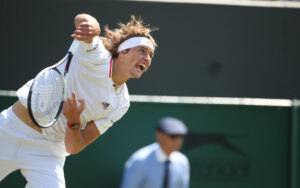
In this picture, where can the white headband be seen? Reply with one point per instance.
(135, 41)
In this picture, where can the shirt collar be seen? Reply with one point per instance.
(161, 156)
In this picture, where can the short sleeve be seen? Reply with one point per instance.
(104, 124)
(186, 174)
(133, 174)
(22, 92)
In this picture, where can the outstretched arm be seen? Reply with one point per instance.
(87, 27)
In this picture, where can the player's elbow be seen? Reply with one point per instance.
(74, 150)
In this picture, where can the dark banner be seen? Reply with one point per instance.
(204, 50)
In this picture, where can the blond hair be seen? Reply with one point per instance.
(134, 28)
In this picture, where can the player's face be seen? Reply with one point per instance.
(170, 143)
(137, 61)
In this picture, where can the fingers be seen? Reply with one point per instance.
(74, 98)
(81, 37)
(82, 104)
(90, 28)
(73, 102)
(85, 24)
(72, 109)
(84, 29)
(85, 32)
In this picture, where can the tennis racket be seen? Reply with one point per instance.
(47, 92)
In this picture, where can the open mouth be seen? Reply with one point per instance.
(142, 67)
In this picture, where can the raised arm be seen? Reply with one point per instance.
(87, 27)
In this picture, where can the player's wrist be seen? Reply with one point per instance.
(73, 125)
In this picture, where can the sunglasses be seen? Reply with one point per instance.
(176, 136)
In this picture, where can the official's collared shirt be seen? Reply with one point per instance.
(90, 77)
(145, 169)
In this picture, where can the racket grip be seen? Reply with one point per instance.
(74, 46)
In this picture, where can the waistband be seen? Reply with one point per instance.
(20, 126)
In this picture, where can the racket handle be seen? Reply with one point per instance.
(74, 46)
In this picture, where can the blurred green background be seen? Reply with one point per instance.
(229, 146)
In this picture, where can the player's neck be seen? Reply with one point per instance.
(119, 76)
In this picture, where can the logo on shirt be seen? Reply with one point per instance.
(92, 49)
(105, 105)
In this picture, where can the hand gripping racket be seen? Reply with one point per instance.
(47, 92)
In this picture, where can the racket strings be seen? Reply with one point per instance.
(47, 95)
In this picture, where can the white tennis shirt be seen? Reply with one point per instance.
(90, 77)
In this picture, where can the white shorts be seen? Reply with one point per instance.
(21, 147)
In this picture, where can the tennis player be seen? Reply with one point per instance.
(97, 97)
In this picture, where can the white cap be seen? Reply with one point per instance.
(171, 126)
(135, 41)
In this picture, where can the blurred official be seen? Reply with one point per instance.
(160, 165)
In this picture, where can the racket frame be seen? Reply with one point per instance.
(67, 57)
